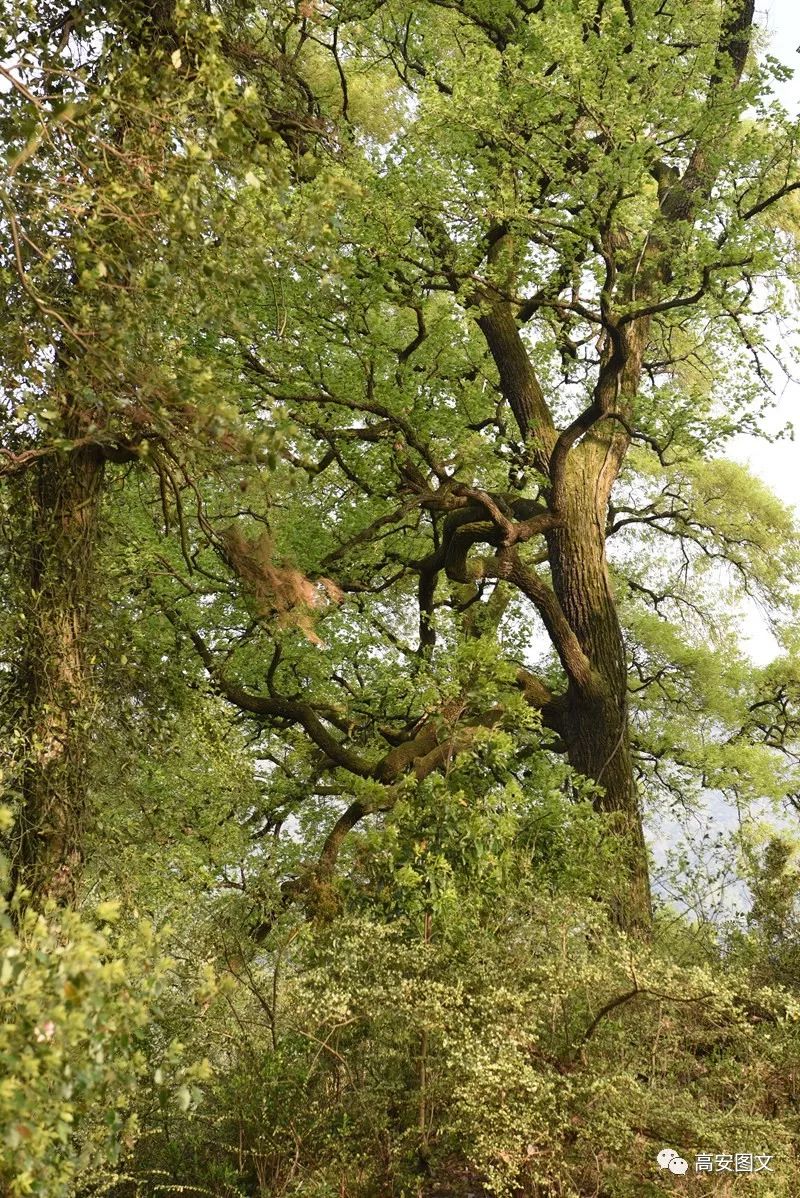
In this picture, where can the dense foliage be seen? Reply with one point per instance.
(372, 573)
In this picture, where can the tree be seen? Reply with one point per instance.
(529, 322)
(124, 132)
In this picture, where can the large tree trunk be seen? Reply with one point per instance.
(580, 614)
(596, 722)
(63, 497)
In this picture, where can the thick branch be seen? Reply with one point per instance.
(518, 381)
(565, 642)
(275, 707)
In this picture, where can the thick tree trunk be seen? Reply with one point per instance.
(580, 613)
(55, 682)
(596, 723)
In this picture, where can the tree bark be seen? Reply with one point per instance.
(63, 494)
(595, 725)
(580, 612)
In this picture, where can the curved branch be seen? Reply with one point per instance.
(274, 707)
(572, 657)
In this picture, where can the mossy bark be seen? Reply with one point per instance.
(63, 497)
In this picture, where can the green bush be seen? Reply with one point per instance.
(79, 1037)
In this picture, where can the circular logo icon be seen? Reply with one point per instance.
(665, 1156)
(678, 1165)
